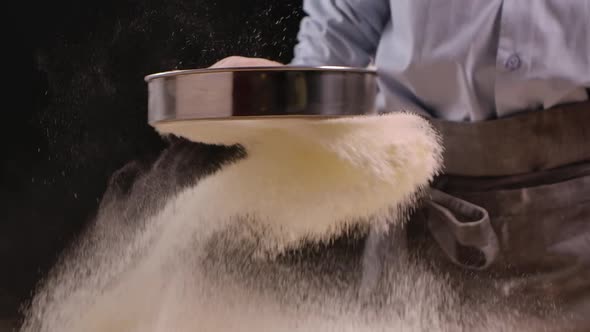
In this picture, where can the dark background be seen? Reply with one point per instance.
(85, 115)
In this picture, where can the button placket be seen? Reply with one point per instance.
(510, 62)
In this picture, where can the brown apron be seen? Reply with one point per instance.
(515, 199)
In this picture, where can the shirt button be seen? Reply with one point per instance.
(513, 62)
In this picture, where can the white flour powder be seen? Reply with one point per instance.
(222, 255)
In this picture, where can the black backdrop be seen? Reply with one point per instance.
(87, 115)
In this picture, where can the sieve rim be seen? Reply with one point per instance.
(341, 69)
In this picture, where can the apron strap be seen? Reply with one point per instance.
(463, 230)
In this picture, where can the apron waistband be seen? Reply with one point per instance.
(520, 144)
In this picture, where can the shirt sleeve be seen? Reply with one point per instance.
(340, 32)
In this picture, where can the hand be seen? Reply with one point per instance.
(239, 61)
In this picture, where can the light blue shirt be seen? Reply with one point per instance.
(461, 60)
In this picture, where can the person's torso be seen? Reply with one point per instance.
(484, 59)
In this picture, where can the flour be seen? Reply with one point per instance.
(303, 233)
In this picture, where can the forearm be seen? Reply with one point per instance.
(340, 32)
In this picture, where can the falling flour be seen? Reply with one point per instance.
(300, 230)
